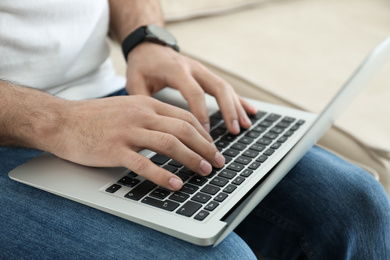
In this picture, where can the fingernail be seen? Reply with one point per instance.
(205, 167)
(236, 126)
(207, 127)
(219, 159)
(176, 183)
(253, 108)
(247, 120)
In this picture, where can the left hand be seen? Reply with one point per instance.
(152, 67)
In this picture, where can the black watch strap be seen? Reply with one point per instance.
(135, 38)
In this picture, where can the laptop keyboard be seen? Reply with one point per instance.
(201, 195)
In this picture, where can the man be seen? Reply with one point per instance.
(59, 47)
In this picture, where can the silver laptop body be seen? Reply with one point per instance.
(89, 185)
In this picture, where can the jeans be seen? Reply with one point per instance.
(325, 208)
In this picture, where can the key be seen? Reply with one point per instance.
(188, 188)
(273, 117)
(236, 167)
(201, 197)
(258, 115)
(238, 180)
(262, 158)
(243, 160)
(141, 190)
(210, 189)
(201, 215)
(254, 165)
(222, 144)
(189, 208)
(160, 193)
(266, 123)
(167, 205)
(219, 181)
(159, 159)
(260, 129)
(269, 152)
(271, 135)
(288, 119)
(182, 176)
(179, 196)
(246, 173)
(129, 182)
(212, 205)
(238, 146)
(221, 197)
(282, 139)
(227, 174)
(230, 188)
(251, 153)
(245, 140)
(198, 180)
(170, 168)
(264, 141)
(175, 163)
(231, 152)
(257, 147)
(113, 188)
(252, 134)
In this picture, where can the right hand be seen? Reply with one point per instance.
(109, 132)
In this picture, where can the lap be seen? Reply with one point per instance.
(36, 224)
(307, 209)
(324, 208)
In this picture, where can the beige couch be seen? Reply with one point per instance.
(296, 53)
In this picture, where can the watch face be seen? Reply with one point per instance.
(161, 34)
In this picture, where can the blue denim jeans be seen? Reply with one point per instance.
(325, 208)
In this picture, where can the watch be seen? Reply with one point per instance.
(150, 33)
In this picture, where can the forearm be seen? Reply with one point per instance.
(28, 117)
(128, 15)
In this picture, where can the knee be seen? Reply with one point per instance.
(356, 209)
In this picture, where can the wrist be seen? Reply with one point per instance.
(149, 33)
(29, 117)
(50, 123)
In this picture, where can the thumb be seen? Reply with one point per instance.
(136, 85)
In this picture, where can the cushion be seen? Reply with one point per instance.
(176, 10)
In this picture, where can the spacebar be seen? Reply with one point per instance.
(141, 190)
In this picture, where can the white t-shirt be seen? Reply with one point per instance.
(58, 46)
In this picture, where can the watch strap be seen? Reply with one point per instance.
(133, 39)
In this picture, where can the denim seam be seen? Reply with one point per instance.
(275, 219)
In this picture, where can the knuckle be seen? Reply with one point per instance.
(168, 142)
(222, 86)
(185, 128)
(140, 164)
(196, 93)
(195, 158)
(197, 64)
(161, 177)
(179, 64)
(189, 117)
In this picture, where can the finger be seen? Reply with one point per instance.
(192, 141)
(194, 95)
(222, 91)
(249, 108)
(136, 85)
(171, 146)
(175, 112)
(145, 168)
(243, 118)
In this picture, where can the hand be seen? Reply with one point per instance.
(152, 67)
(109, 132)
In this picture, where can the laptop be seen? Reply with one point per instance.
(208, 208)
